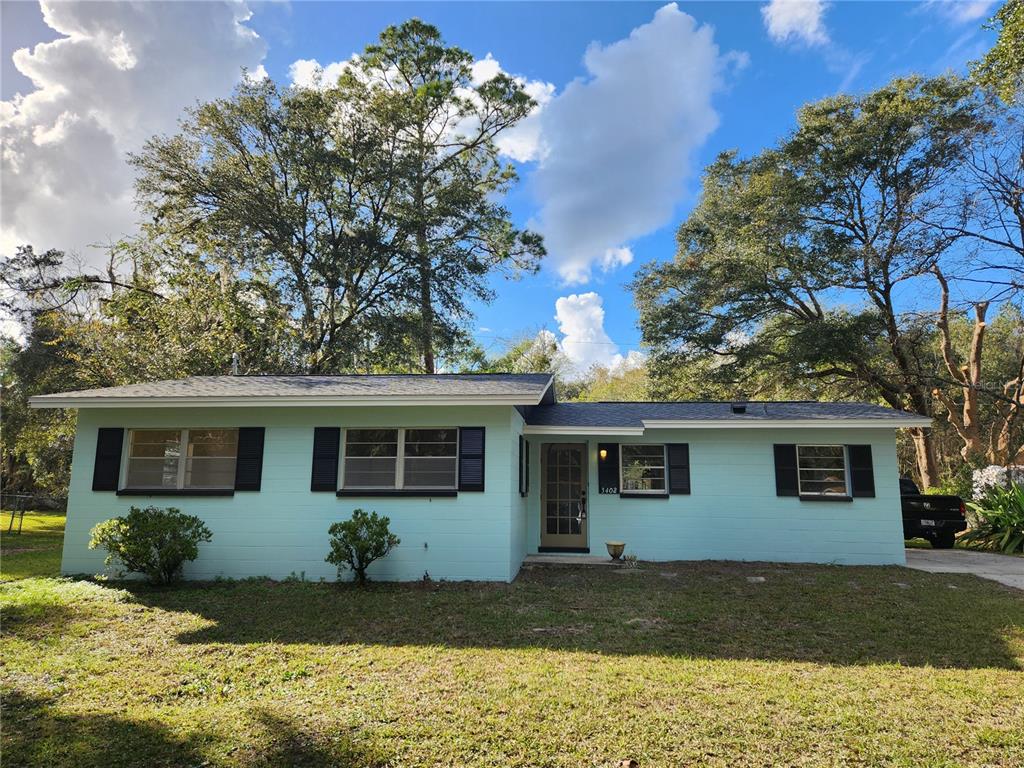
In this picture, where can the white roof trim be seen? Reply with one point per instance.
(550, 430)
(894, 423)
(380, 401)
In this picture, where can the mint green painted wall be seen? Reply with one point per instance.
(520, 504)
(733, 512)
(282, 529)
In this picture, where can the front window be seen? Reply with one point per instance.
(430, 458)
(371, 458)
(157, 460)
(643, 468)
(822, 470)
(413, 459)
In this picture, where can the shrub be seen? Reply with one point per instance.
(153, 541)
(358, 542)
(998, 520)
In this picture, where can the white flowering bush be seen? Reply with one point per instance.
(993, 476)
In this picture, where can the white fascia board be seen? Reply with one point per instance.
(909, 421)
(381, 401)
(569, 430)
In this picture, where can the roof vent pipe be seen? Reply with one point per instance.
(234, 363)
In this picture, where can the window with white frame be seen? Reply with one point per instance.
(643, 468)
(411, 459)
(821, 470)
(181, 458)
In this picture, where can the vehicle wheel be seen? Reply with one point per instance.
(943, 539)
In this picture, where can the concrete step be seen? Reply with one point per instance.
(568, 558)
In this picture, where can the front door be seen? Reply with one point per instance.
(563, 497)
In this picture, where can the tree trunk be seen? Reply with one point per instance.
(426, 304)
(925, 453)
(424, 263)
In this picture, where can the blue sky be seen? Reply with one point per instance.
(625, 135)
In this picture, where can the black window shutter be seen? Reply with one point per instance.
(862, 472)
(678, 467)
(107, 468)
(524, 466)
(608, 468)
(785, 471)
(326, 442)
(471, 458)
(526, 443)
(249, 464)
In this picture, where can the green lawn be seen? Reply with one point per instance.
(671, 665)
(36, 550)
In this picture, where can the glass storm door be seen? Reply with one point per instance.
(563, 500)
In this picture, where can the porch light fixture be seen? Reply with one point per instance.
(603, 453)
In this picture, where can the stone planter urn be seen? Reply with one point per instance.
(615, 548)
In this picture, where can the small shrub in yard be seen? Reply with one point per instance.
(152, 541)
(998, 520)
(358, 542)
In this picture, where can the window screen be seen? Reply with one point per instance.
(643, 468)
(821, 470)
(156, 459)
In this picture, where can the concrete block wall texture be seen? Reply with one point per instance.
(732, 512)
(281, 530)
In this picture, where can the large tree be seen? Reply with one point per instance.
(1002, 68)
(448, 177)
(290, 182)
(155, 313)
(794, 259)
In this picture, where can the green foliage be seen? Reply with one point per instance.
(373, 202)
(152, 541)
(164, 312)
(999, 523)
(447, 179)
(789, 272)
(958, 482)
(357, 542)
(1002, 68)
(775, 236)
(632, 384)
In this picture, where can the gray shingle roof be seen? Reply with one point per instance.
(634, 414)
(525, 388)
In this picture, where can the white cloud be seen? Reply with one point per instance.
(615, 257)
(614, 147)
(520, 142)
(961, 11)
(309, 73)
(121, 73)
(803, 22)
(584, 342)
(796, 21)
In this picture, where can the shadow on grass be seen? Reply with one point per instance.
(832, 615)
(36, 734)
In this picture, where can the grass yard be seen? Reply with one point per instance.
(36, 550)
(674, 664)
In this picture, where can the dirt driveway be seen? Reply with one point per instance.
(1005, 569)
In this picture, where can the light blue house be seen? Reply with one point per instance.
(478, 471)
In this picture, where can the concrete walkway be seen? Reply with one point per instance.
(1005, 569)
